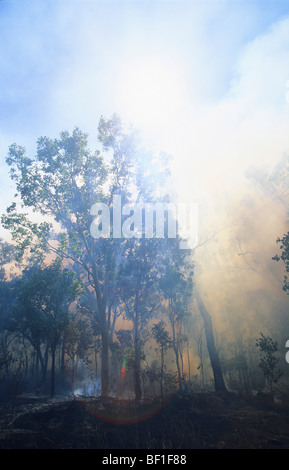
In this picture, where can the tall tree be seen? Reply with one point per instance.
(164, 342)
(40, 314)
(212, 350)
(61, 184)
(176, 285)
(140, 295)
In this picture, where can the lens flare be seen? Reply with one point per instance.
(123, 367)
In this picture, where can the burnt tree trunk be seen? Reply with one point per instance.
(213, 353)
(175, 347)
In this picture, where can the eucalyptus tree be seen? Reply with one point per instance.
(61, 188)
(60, 185)
(8, 340)
(141, 296)
(164, 342)
(177, 288)
(40, 313)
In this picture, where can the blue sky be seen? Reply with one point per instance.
(221, 69)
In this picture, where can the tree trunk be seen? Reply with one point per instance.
(189, 362)
(104, 332)
(201, 366)
(213, 353)
(104, 363)
(62, 359)
(95, 362)
(162, 372)
(175, 349)
(43, 364)
(52, 384)
(137, 379)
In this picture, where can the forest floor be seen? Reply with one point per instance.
(196, 421)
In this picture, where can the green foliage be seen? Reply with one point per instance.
(78, 339)
(268, 363)
(6, 252)
(61, 184)
(43, 295)
(284, 247)
(161, 335)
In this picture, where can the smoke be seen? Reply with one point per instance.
(62, 63)
(88, 388)
(248, 124)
